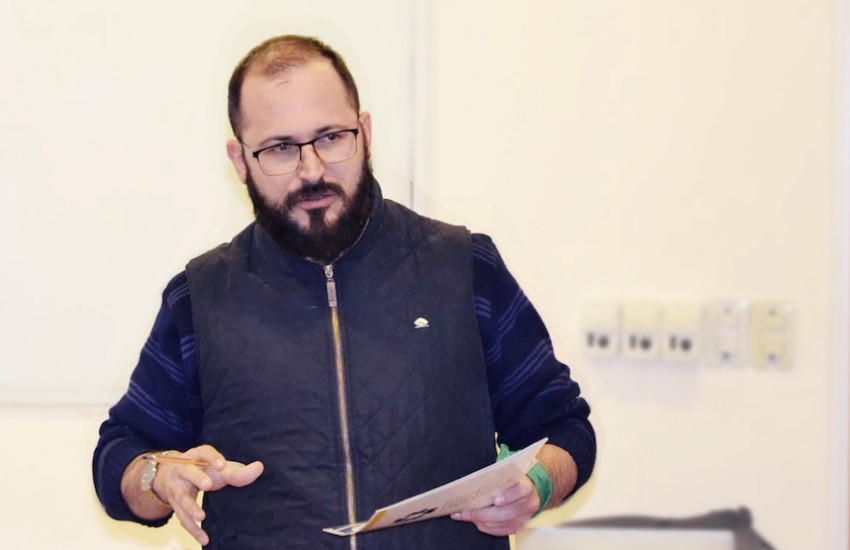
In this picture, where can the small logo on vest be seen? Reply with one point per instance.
(421, 322)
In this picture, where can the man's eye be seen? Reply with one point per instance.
(330, 138)
(280, 150)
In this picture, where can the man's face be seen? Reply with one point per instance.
(320, 241)
(315, 200)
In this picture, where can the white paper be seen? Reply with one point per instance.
(476, 490)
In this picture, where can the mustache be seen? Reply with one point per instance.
(311, 190)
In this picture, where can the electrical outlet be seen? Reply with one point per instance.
(771, 334)
(682, 339)
(641, 329)
(601, 329)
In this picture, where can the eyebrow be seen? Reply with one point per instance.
(291, 139)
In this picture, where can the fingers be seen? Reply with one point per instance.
(510, 511)
(240, 475)
(179, 484)
(522, 490)
(208, 454)
(233, 473)
(190, 517)
(184, 482)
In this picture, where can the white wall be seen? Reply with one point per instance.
(113, 163)
(665, 150)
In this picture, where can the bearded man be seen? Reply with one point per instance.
(340, 354)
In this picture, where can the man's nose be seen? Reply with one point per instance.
(311, 167)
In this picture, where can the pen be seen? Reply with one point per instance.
(174, 460)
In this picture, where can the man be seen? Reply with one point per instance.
(340, 354)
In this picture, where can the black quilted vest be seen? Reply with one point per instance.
(415, 388)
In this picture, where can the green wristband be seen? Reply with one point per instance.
(538, 476)
(543, 483)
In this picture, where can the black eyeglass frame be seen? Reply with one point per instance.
(256, 154)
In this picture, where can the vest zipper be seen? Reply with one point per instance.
(342, 400)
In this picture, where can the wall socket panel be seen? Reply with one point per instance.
(719, 333)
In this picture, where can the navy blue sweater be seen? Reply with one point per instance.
(531, 393)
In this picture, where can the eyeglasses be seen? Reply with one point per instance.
(284, 158)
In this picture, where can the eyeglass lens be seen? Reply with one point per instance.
(330, 148)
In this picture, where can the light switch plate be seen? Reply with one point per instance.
(771, 334)
(728, 328)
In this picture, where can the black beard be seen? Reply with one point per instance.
(320, 241)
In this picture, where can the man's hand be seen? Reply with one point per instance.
(510, 511)
(178, 486)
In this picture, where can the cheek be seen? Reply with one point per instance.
(347, 179)
(275, 190)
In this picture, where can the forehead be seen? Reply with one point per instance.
(295, 103)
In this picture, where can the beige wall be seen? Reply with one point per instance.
(48, 501)
(665, 151)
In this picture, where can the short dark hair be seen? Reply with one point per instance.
(279, 54)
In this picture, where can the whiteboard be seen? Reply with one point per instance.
(113, 171)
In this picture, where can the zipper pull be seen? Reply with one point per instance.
(331, 284)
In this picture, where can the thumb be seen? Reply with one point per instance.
(240, 475)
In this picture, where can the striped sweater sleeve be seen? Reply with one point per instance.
(161, 408)
(531, 392)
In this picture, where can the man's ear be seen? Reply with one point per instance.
(366, 124)
(236, 154)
